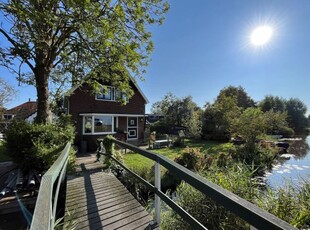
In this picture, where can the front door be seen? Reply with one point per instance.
(132, 128)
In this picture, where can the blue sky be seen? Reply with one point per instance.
(204, 46)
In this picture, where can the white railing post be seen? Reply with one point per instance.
(157, 198)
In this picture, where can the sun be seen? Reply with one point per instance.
(261, 35)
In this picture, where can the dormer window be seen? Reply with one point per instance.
(111, 94)
(108, 95)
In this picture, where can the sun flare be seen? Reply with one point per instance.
(261, 35)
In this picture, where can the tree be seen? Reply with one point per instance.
(250, 124)
(6, 93)
(179, 112)
(60, 42)
(218, 116)
(243, 100)
(273, 103)
(296, 112)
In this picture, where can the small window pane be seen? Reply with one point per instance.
(87, 124)
(107, 95)
(102, 124)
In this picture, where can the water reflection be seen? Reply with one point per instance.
(296, 169)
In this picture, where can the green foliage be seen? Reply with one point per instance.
(3, 152)
(290, 203)
(276, 123)
(218, 117)
(193, 159)
(259, 158)
(213, 216)
(250, 125)
(273, 103)
(296, 112)
(294, 108)
(63, 41)
(37, 145)
(178, 112)
(242, 99)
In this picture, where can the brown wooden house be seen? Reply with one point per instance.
(99, 115)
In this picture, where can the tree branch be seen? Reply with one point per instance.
(16, 45)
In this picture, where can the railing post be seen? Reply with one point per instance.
(157, 186)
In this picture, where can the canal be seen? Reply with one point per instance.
(293, 169)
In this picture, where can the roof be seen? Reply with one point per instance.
(24, 110)
(132, 80)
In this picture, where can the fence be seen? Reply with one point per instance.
(45, 210)
(254, 215)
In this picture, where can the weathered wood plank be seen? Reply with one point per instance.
(99, 200)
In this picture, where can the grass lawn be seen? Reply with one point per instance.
(141, 164)
(3, 156)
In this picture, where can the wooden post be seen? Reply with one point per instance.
(157, 198)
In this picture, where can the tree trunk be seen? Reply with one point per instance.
(43, 110)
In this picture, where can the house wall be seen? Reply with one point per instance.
(83, 101)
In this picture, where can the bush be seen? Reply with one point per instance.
(37, 145)
(261, 158)
(193, 159)
(205, 210)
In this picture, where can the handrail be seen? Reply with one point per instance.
(45, 209)
(249, 212)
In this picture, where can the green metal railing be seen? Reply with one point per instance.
(254, 215)
(46, 204)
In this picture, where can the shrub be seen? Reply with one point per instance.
(205, 210)
(193, 159)
(37, 145)
(289, 203)
(261, 157)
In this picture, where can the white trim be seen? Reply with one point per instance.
(133, 127)
(93, 125)
(135, 133)
(140, 91)
(111, 114)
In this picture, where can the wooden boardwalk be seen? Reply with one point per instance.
(98, 200)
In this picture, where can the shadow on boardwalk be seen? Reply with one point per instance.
(98, 200)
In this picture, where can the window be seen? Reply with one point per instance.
(108, 95)
(102, 124)
(7, 116)
(99, 124)
(112, 94)
(88, 124)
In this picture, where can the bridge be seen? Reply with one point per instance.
(97, 200)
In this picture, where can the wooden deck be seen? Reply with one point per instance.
(98, 200)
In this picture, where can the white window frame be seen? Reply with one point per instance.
(133, 127)
(113, 91)
(93, 124)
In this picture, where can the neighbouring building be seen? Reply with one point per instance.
(96, 116)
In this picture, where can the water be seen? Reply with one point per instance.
(296, 169)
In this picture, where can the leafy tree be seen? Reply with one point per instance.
(296, 112)
(243, 100)
(273, 103)
(217, 118)
(60, 42)
(250, 125)
(179, 112)
(276, 123)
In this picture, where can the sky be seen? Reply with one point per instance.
(204, 46)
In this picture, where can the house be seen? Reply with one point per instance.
(96, 116)
(24, 111)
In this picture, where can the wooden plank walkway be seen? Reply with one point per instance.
(98, 200)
